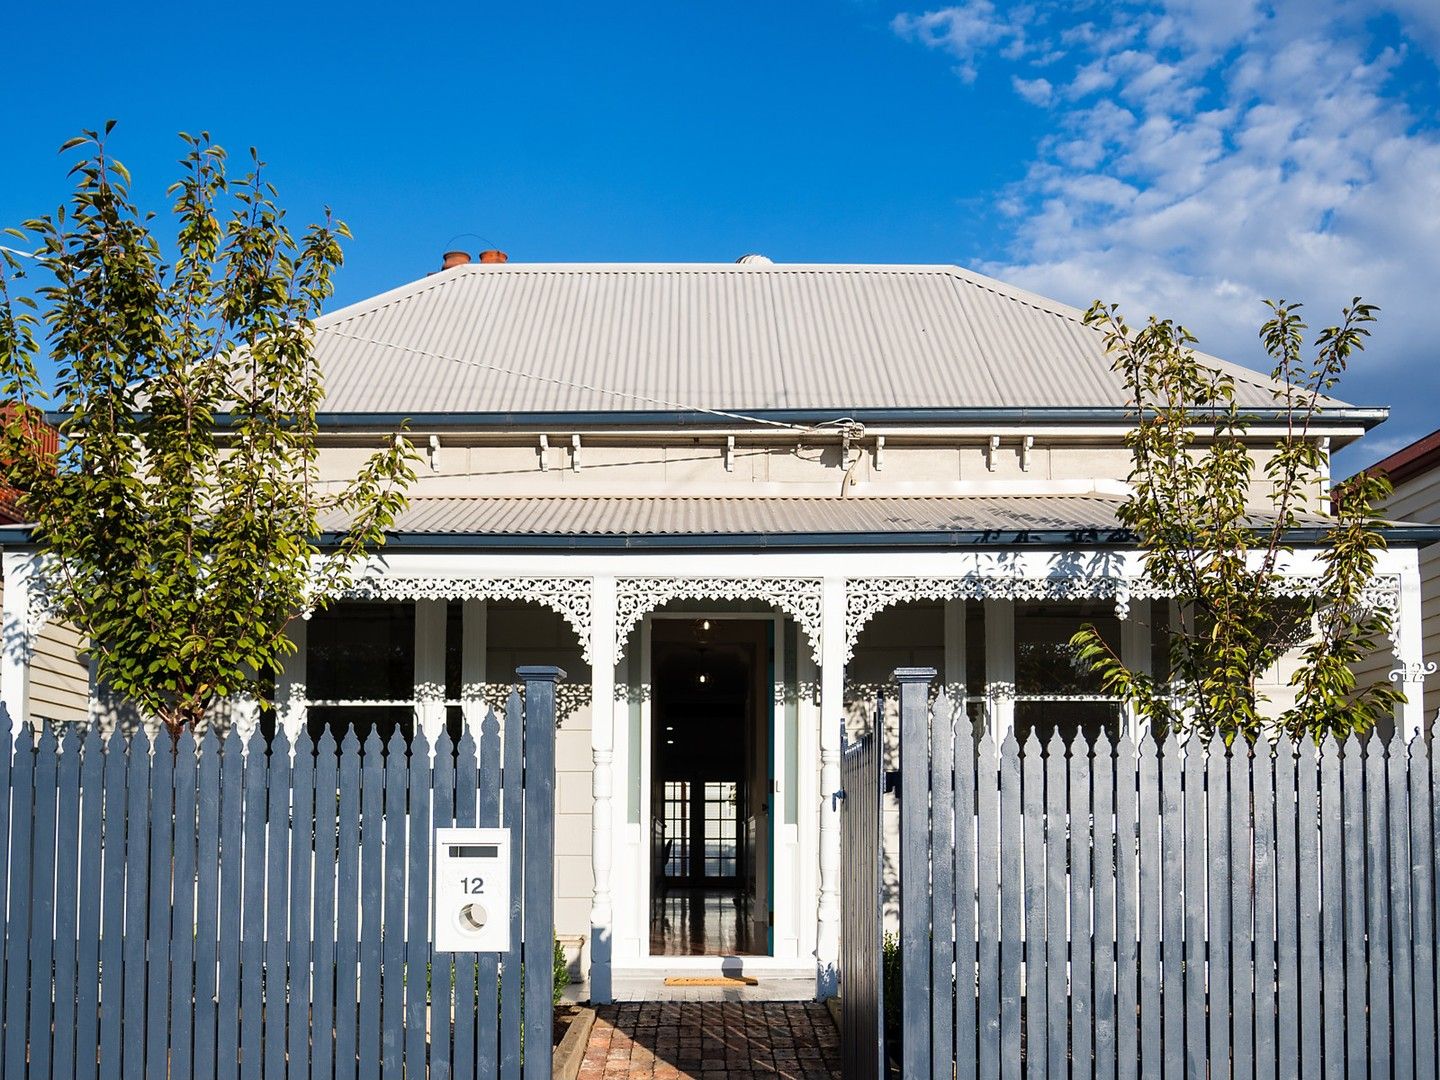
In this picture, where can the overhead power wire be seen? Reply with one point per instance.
(486, 365)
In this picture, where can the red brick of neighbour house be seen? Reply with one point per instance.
(10, 513)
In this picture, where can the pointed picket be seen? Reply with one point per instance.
(417, 928)
(67, 902)
(1377, 836)
(303, 818)
(941, 843)
(964, 761)
(326, 921)
(513, 796)
(1010, 819)
(1356, 970)
(1263, 799)
(112, 918)
(1332, 909)
(183, 936)
(1172, 911)
(1217, 783)
(1127, 893)
(1196, 865)
(42, 903)
(207, 898)
(1057, 861)
(372, 890)
(252, 914)
(137, 903)
(987, 907)
(235, 766)
(392, 974)
(1082, 844)
(1422, 906)
(1242, 1012)
(442, 966)
(17, 921)
(87, 974)
(348, 891)
(1037, 1035)
(1103, 858)
(1402, 1019)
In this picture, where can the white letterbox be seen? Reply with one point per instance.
(472, 890)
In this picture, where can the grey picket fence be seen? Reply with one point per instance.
(862, 911)
(230, 912)
(1181, 909)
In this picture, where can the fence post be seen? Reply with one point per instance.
(539, 748)
(915, 866)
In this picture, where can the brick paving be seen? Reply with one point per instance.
(719, 1040)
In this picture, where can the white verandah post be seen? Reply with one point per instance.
(1409, 634)
(832, 715)
(602, 748)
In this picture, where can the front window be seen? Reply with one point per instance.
(360, 670)
(1054, 689)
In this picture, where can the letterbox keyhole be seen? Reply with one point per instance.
(473, 917)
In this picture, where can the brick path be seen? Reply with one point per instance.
(693, 1040)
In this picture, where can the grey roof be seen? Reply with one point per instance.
(539, 338)
(669, 515)
(749, 522)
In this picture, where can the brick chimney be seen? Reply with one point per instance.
(452, 259)
(493, 256)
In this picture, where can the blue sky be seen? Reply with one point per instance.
(1182, 156)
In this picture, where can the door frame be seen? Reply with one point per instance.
(786, 877)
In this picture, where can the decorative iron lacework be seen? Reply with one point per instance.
(570, 597)
(799, 598)
(867, 597)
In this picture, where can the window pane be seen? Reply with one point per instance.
(1070, 718)
(357, 651)
(361, 651)
(1045, 661)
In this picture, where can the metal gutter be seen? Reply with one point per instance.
(1402, 535)
(1365, 417)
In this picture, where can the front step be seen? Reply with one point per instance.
(728, 979)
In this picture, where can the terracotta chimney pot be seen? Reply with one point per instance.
(493, 256)
(452, 259)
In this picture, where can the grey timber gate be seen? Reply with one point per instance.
(223, 911)
(1172, 909)
(862, 917)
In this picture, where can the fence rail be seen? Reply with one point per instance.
(228, 912)
(1170, 910)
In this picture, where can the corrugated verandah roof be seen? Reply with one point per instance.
(748, 522)
(597, 338)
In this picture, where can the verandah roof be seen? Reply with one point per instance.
(757, 522)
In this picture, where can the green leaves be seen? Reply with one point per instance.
(180, 545)
(1213, 508)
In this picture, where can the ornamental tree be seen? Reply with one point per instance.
(1214, 526)
(178, 506)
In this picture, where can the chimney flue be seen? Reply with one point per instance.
(452, 259)
(493, 256)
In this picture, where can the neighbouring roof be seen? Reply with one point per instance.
(770, 521)
(1410, 461)
(770, 339)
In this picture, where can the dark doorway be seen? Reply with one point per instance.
(710, 786)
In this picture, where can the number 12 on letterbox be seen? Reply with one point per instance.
(472, 890)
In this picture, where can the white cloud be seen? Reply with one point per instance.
(1208, 153)
(1036, 91)
(965, 31)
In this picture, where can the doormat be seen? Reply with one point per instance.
(712, 980)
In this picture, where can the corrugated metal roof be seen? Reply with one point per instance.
(583, 338)
(721, 515)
